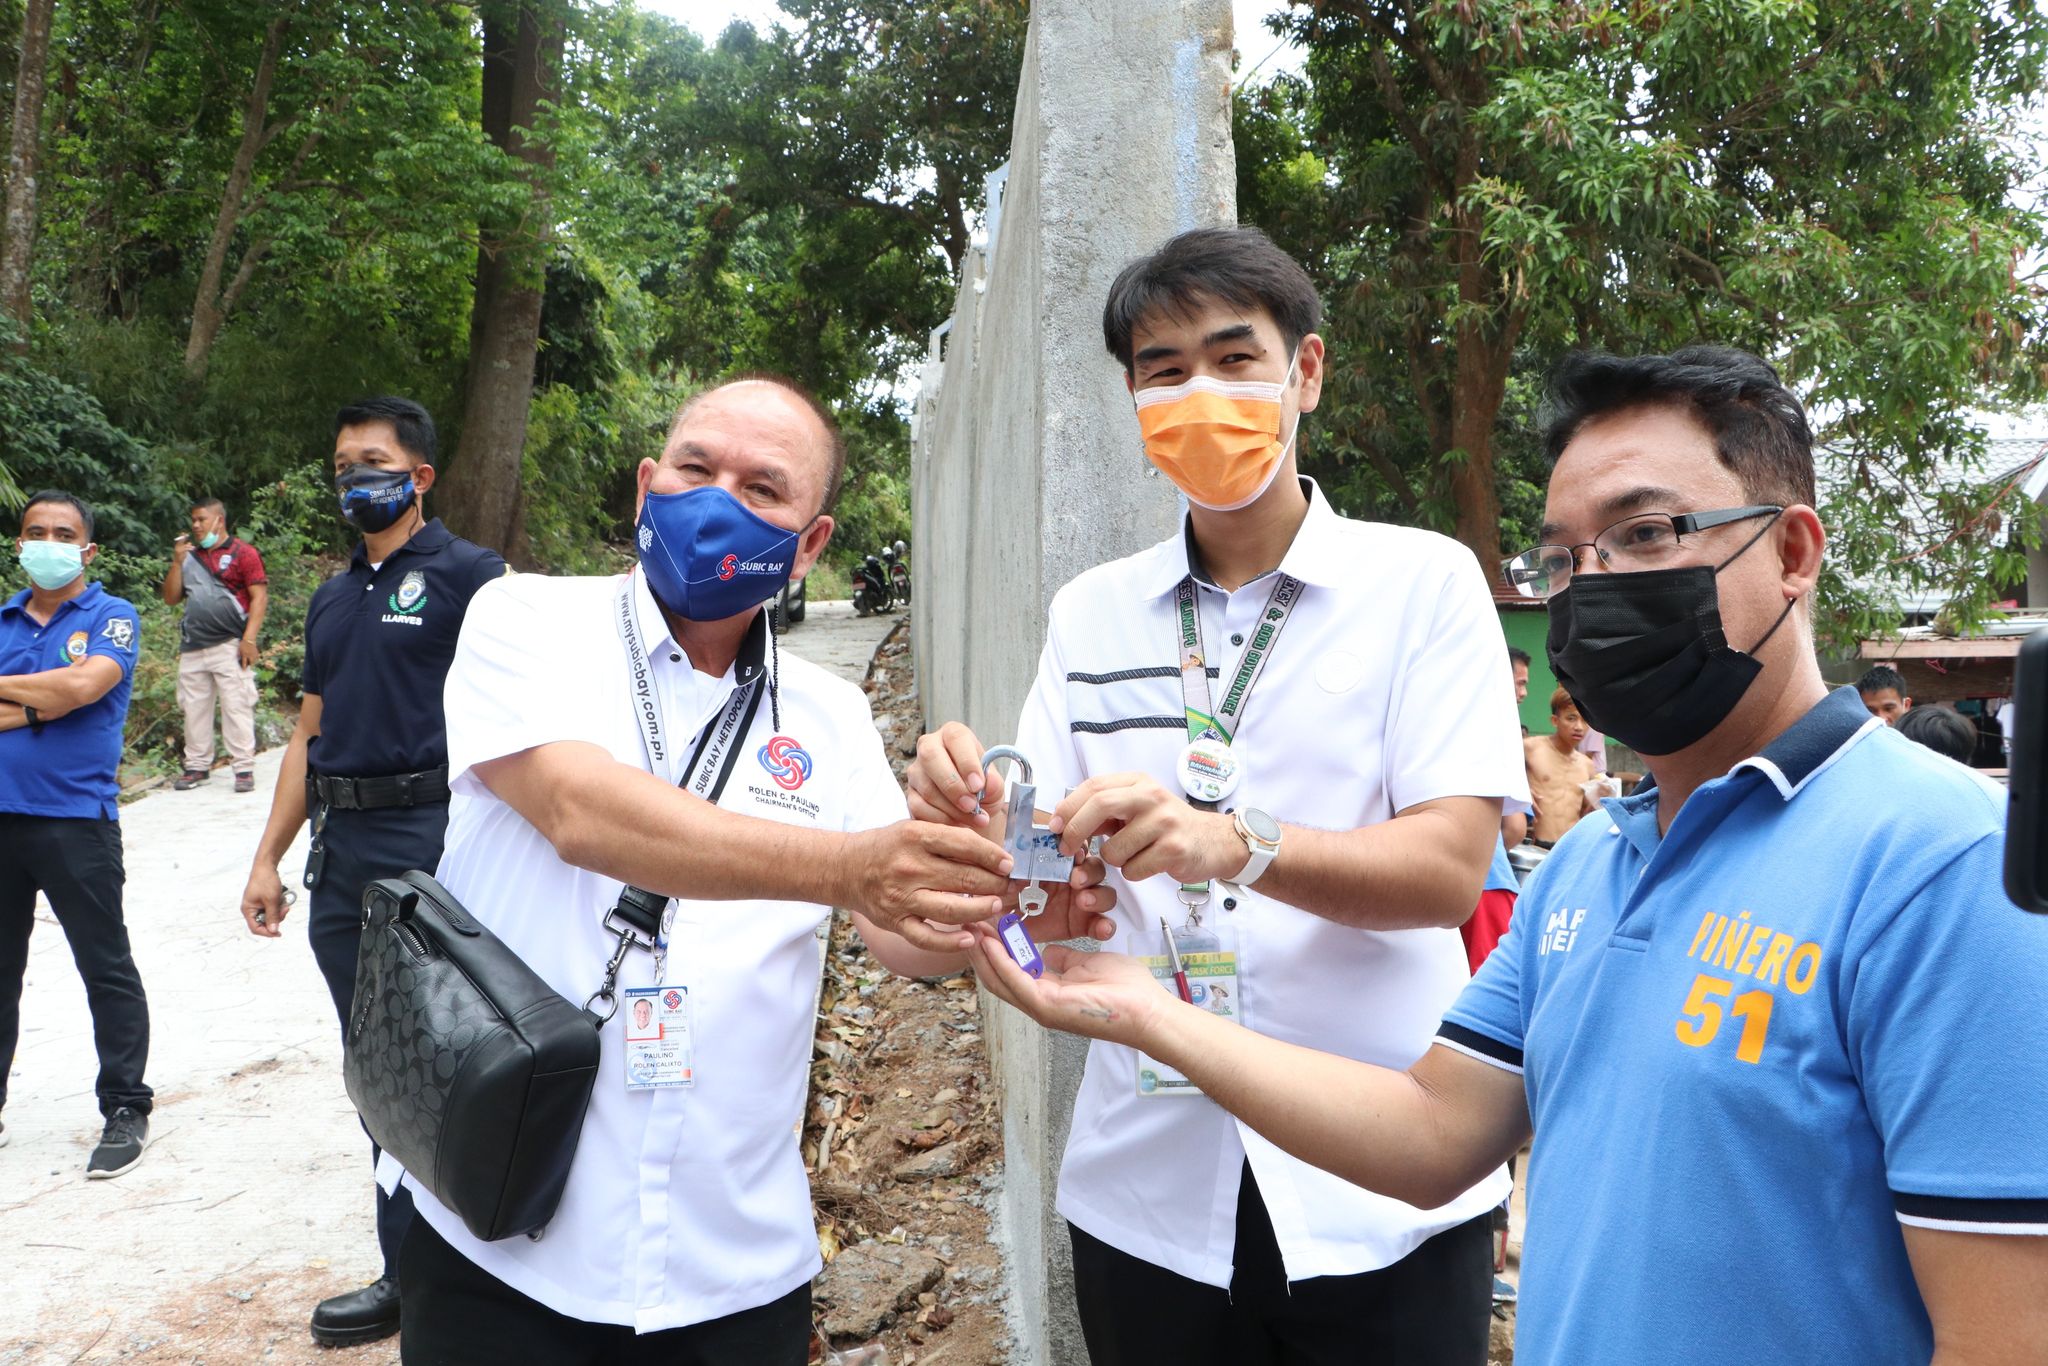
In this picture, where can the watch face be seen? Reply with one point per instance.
(1261, 824)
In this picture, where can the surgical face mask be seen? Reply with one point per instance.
(1218, 440)
(1644, 656)
(209, 540)
(52, 564)
(708, 558)
(372, 499)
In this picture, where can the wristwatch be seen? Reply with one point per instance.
(1261, 834)
(35, 722)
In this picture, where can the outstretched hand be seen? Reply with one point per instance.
(1100, 995)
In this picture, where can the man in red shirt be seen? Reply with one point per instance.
(219, 577)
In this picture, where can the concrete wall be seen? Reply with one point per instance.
(1027, 466)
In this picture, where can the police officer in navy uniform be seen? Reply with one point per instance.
(67, 661)
(369, 760)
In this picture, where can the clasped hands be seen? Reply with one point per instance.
(1145, 831)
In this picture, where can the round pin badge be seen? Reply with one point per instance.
(1209, 771)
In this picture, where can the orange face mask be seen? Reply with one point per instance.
(1217, 440)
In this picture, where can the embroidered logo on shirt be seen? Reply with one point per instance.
(787, 762)
(646, 537)
(74, 648)
(121, 631)
(225, 561)
(411, 595)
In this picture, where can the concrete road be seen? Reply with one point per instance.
(253, 1201)
(832, 636)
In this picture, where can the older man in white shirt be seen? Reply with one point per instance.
(641, 730)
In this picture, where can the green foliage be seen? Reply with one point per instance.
(56, 436)
(1479, 185)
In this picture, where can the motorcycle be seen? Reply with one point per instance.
(871, 587)
(898, 558)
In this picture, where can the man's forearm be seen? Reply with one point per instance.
(174, 580)
(53, 690)
(1388, 1131)
(259, 604)
(1407, 873)
(287, 803)
(12, 716)
(628, 824)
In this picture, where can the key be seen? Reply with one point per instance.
(1031, 901)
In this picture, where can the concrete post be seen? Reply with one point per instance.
(1027, 468)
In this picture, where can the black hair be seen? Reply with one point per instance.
(1239, 266)
(1941, 730)
(1880, 678)
(413, 424)
(78, 505)
(207, 500)
(1759, 427)
(834, 438)
(1518, 655)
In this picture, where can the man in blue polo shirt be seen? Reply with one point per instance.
(368, 761)
(1776, 1027)
(67, 656)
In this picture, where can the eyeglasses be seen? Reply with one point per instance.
(1648, 540)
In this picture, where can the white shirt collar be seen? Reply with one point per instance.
(1315, 556)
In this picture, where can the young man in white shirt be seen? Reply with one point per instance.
(640, 730)
(1294, 733)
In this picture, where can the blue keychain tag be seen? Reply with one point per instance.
(1017, 943)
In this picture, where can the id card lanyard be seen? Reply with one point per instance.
(1209, 770)
(641, 919)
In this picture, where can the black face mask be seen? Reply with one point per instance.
(373, 499)
(1644, 657)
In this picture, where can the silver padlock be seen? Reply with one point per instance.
(1035, 849)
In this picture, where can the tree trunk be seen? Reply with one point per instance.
(209, 307)
(1485, 342)
(18, 235)
(522, 52)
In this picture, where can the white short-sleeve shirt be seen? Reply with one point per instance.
(688, 1204)
(1389, 686)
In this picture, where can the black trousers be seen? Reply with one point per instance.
(77, 864)
(1431, 1308)
(455, 1313)
(363, 846)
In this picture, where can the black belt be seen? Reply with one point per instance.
(373, 794)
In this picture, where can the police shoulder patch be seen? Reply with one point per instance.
(120, 632)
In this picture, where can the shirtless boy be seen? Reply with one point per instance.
(1556, 768)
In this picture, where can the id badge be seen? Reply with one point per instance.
(657, 1037)
(1212, 986)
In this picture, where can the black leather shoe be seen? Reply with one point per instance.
(359, 1316)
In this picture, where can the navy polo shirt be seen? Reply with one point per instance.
(1755, 1047)
(73, 767)
(378, 646)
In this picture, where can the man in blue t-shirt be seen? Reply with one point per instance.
(67, 658)
(1774, 1024)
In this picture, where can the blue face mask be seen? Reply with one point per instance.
(707, 558)
(373, 499)
(52, 564)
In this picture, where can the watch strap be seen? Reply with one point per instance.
(1262, 852)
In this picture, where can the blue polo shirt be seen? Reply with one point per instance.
(378, 645)
(1757, 1046)
(73, 767)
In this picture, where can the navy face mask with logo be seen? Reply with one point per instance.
(708, 558)
(373, 499)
